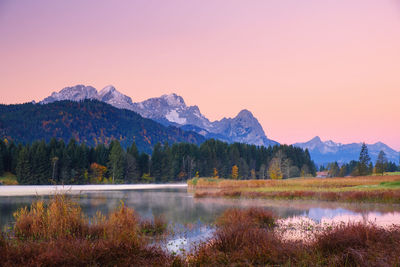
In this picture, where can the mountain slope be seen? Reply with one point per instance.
(171, 109)
(329, 151)
(87, 121)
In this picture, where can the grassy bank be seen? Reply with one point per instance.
(385, 189)
(59, 234)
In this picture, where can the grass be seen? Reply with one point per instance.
(391, 173)
(245, 243)
(59, 234)
(8, 179)
(351, 189)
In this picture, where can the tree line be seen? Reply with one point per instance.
(364, 166)
(57, 162)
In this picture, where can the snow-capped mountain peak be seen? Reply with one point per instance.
(172, 109)
(75, 93)
(107, 89)
(115, 98)
(174, 100)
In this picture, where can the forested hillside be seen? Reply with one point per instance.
(90, 122)
(59, 163)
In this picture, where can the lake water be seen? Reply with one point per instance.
(183, 211)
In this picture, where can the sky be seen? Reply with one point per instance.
(304, 68)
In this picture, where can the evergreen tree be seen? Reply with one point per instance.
(116, 162)
(381, 163)
(156, 163)
(143, 164)
(24, 167)
(334, 170)
(364, 161)
(132, 174)
(343, 170)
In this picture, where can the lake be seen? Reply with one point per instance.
(194, 215)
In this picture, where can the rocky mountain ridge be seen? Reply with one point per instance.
(171, 109)
(323, 152)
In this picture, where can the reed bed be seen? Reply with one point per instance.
(245, 243)
(293, 182)
(377, 189)
(59, 234)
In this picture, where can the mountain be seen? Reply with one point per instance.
(329, 151)
(81, 92)
(89, 121)
(171, 110)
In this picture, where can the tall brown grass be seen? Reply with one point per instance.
(293, 182)
(245, 243)
(375, 196)
(58, 233)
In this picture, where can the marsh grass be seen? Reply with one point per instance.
(245, 243)
(384, 189)
(58, 233)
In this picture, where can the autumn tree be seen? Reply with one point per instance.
(343, 170)
(274, 170)
(97, 173)
(333, 169)
(235, 172)
(215, 173)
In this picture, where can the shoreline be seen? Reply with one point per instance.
(32, 190)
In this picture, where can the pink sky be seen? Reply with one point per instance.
(304, 68)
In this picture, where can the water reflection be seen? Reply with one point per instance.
(180, 209)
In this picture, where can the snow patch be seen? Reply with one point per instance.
(173, 116)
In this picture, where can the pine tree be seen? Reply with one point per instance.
(381, 163)
(1, 164)
(364, 160)
(3, 157)
(116, 162)
(156, 163)
(24, 167)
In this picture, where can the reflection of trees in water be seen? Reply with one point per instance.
(178, 206)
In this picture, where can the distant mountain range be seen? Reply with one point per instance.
(329, 151)
(171, 110)
(88, 121)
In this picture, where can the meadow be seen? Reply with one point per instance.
(384, 189)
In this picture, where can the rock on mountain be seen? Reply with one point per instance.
(171, 109)
(75, 93)
(81, 92)
(329, 151)
(243, 128)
